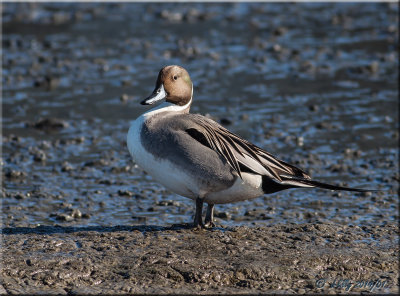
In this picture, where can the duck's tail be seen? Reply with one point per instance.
(302, 182)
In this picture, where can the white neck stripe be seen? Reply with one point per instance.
(166, 106)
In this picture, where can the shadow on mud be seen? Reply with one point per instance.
(72, 229)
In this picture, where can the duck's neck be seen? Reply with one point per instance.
(170, 107)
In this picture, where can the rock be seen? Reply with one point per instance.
(169, 203)
(171, 16)
(66, 167)
(324, 125)
(124, 98)
(373, 67)
(125, 193)
(223, 215)
(280, 31)
(48, 82)
(49, 124)
(64, 217)
(225, 121)
(14, 174)
(20, 196)
(76, 213)
(39, 156)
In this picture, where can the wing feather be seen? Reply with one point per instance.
(239, 152)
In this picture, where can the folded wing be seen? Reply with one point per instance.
(239, 153)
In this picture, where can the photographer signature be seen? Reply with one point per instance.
(348, 284)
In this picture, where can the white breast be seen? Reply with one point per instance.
(162, 170)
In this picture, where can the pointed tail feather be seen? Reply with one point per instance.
(300, 182)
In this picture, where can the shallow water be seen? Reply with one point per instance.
(314, 84)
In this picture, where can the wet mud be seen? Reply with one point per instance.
(295, 258)
(314, 84)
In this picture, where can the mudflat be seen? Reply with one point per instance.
(295, 258)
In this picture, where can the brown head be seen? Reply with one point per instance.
(174, 85)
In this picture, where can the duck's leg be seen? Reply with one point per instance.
(198, 219)
(209, 222)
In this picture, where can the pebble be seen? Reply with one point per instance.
(124, 98)
(50, 123)
(223, 215)
(50, 83)
(280, 31)
(76, 213)
(125, 193)
(66, 167)
(20, 196)
(171, 16)
(39, 156)
(225, 121)
(324, 125)
(15, 174)
(168, 203)
(64, 217)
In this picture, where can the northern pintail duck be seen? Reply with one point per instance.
(196, 157)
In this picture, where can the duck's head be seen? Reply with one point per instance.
(173, 85)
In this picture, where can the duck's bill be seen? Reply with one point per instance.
(158, 94)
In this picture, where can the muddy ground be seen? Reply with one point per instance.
(315, 84)
(302, 258)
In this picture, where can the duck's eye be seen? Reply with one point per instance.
(175, 77)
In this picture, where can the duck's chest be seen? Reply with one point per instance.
(135, 146)
(143, 158)
(160, 168)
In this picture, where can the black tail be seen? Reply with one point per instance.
(298, 182)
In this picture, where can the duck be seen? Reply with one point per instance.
(195, 157)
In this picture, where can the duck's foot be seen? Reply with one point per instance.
(209, 225)
(209, 221)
